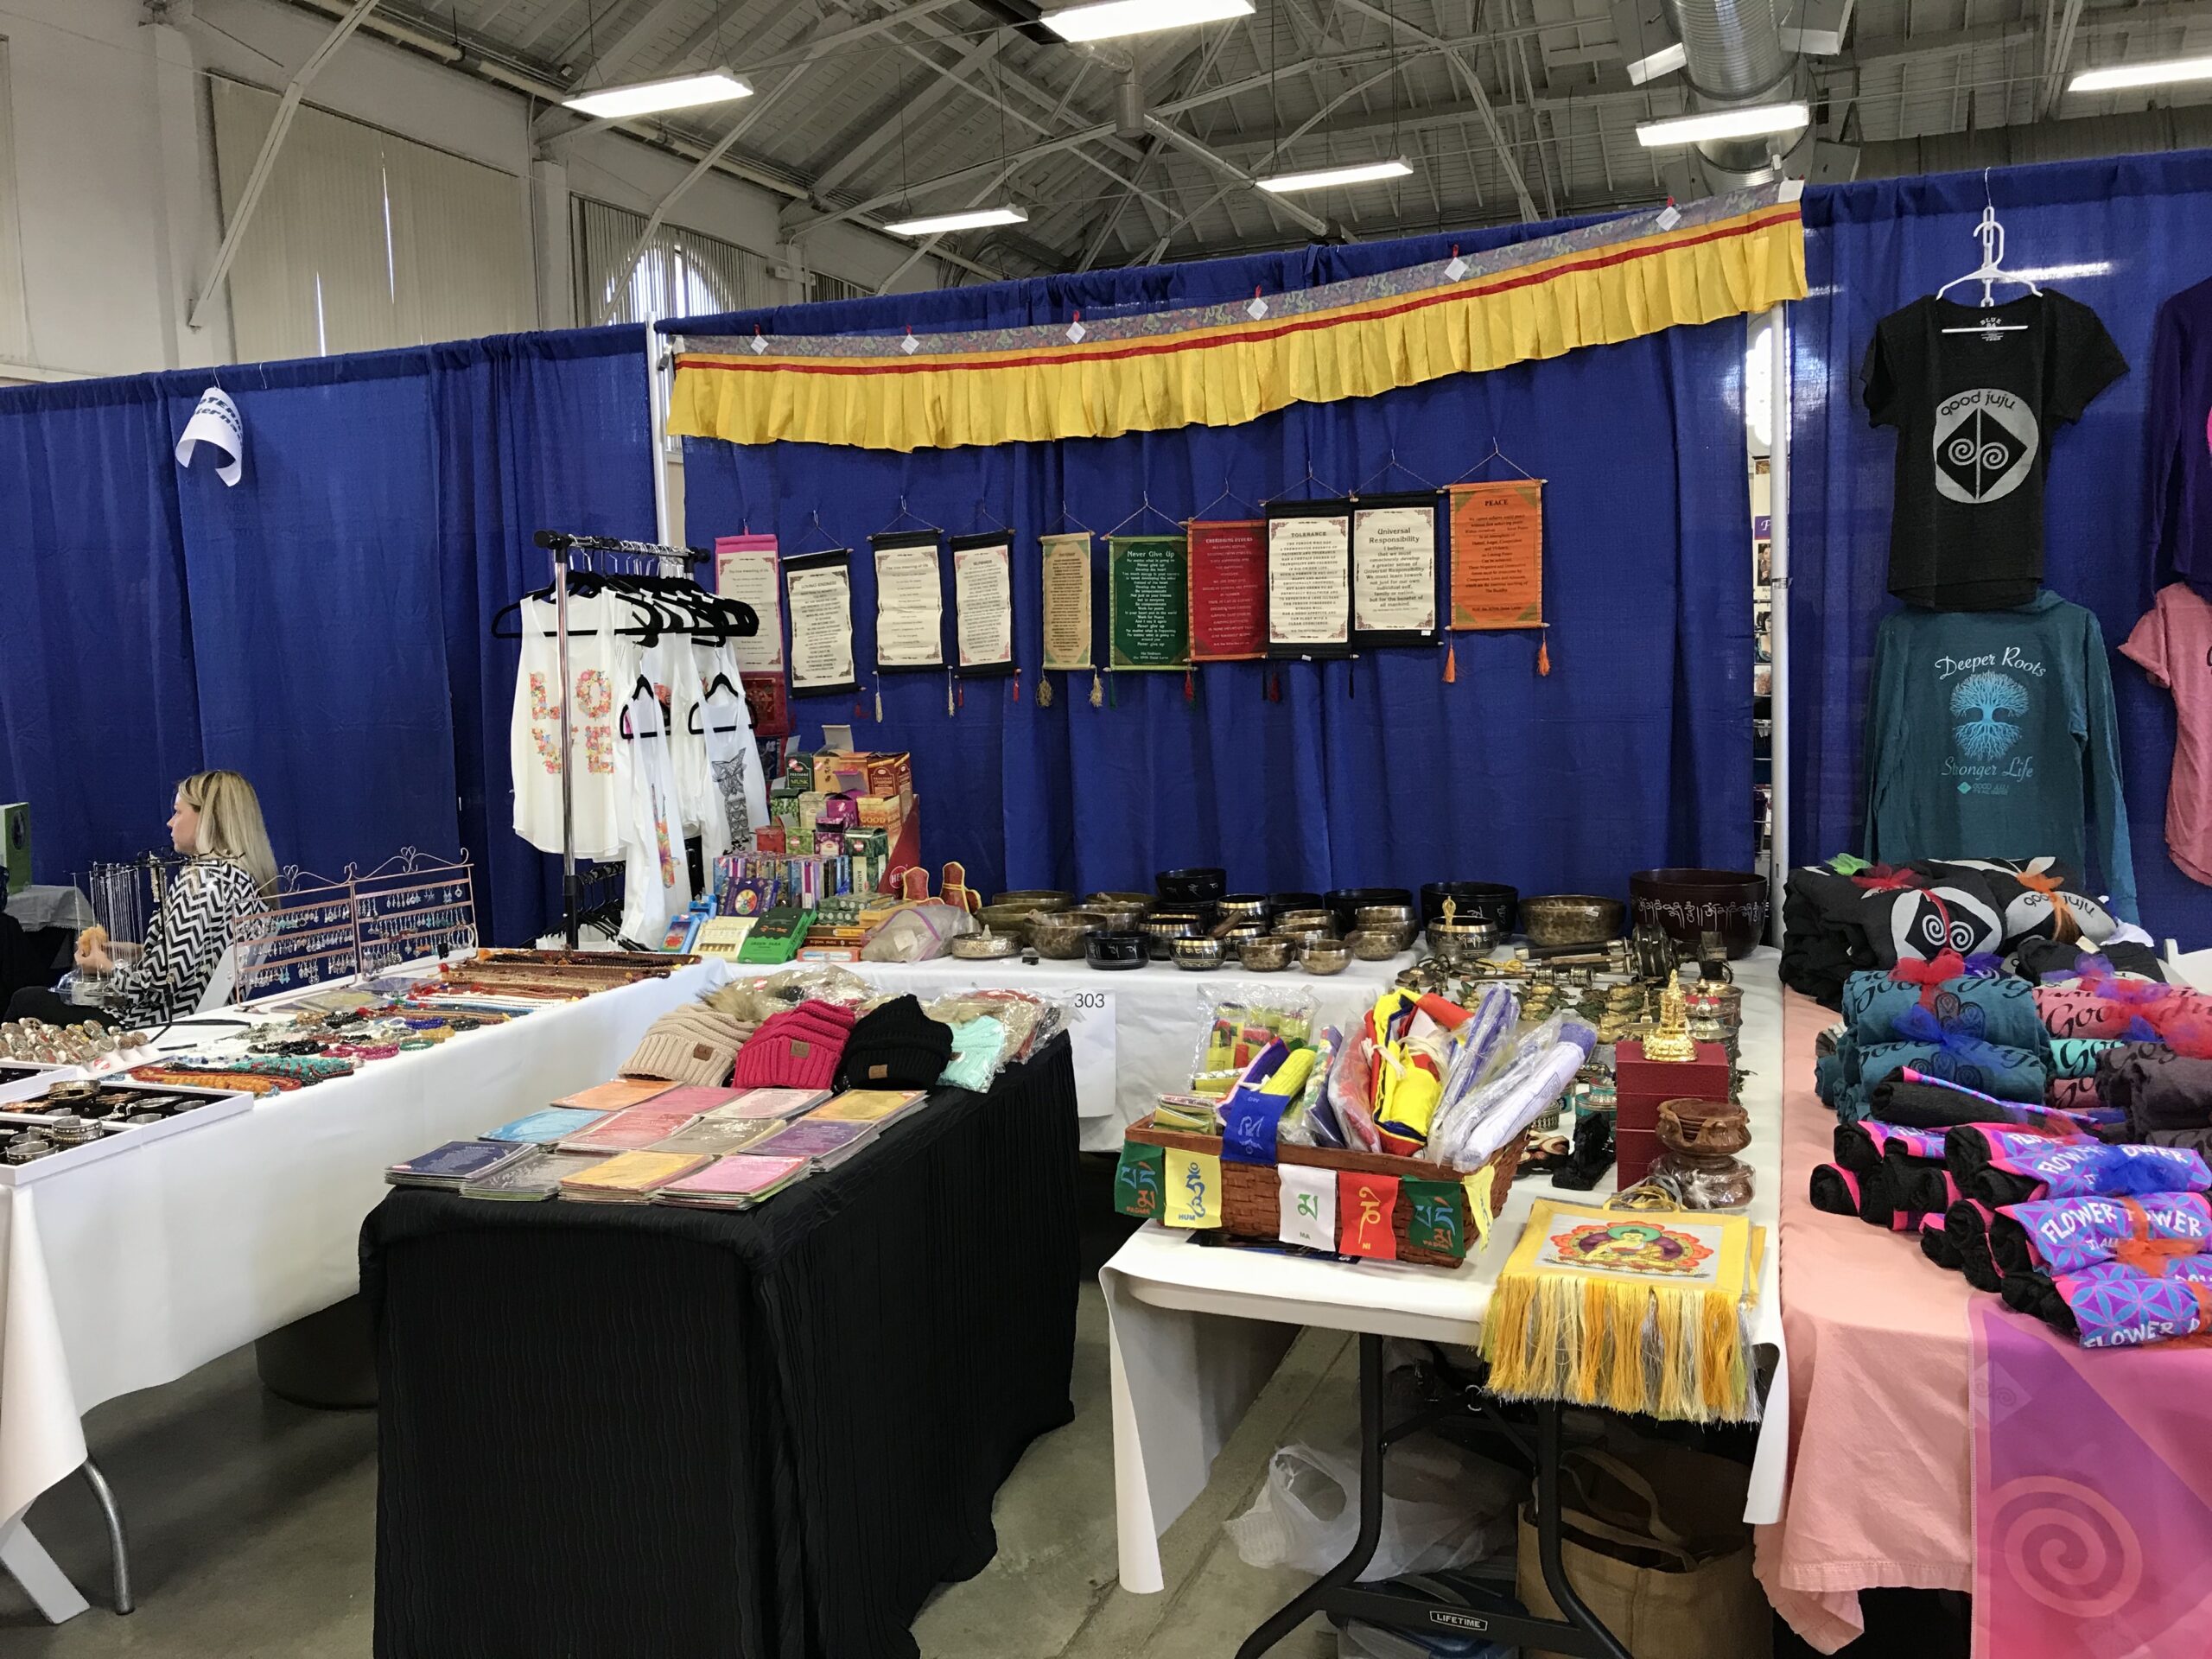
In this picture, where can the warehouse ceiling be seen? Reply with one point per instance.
(872, 110)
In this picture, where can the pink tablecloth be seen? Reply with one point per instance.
(1881, 1438)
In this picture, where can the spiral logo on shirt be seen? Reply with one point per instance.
(1985, 444)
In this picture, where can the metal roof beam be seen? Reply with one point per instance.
(1475, 95)
(878, 133)
(1222, 164)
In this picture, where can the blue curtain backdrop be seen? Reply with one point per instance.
(99, 712)
(321, 626)
(2118, 235)
(1635, 751)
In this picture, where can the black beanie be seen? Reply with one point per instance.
(895, 1045)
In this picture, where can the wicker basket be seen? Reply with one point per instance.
(1251, 1197)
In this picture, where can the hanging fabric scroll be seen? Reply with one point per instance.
(1228, 590)
(1309, 579)
(1497, 555)
(909, 601)
(1394, 569)
(983, 602)
(1150, 600)
(746, 569)
(818, 591)
(1067, 601)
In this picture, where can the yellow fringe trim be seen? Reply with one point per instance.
(1660, 1351)
(1227, 376)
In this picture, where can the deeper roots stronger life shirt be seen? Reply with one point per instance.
(1974, 414)
(1991, 735)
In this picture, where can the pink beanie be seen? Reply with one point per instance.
(797, 1049)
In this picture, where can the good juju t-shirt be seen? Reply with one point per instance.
(1974, 413)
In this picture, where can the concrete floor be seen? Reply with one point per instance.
(252, 1528)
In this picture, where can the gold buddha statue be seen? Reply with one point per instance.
(1671, 1040)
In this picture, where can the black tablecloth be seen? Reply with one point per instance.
(626, 1431)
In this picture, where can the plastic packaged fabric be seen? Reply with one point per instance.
(1030, 1020)
(1543, 1064)
(1242, 1025)
(1442, 1506)
(1348, 1089)
(978, 1048)
(1311, 1122)
(917, 933)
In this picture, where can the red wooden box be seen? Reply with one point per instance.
(1640, 1085)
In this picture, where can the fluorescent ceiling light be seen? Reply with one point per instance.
(651, 97)
(2120, 75)
(1109, 18)
(1750, 122)
(973, 219)
(1324, 177)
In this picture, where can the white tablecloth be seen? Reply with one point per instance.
(1135, 1032)
(1195, 1331)
(135, 1269)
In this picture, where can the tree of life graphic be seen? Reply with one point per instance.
(1977, 702)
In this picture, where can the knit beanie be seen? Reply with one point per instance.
(895, 1045)
(692, 1044)
(796, 1049)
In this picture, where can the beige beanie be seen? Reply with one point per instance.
(694, 1044)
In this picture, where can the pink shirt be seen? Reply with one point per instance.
(2173, 642)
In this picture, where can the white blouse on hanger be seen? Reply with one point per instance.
(601, 663)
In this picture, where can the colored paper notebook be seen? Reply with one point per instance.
(630, 1176)
(735, 1183)
(545, 1127)
(628, 1131)
(773, 1104)
(613, 1096)
(718, 1137)
(867, 1106)
(455, 1162)
(696, 1097)
(825, 1145)
(535, 1176)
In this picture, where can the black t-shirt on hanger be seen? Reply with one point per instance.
(1974, 413)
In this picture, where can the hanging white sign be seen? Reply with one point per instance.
(216, 422)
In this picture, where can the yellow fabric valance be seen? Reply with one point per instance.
(1221, 365)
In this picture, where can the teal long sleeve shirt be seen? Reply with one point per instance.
(1991, 735)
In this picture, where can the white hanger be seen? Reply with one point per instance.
(1992, 272)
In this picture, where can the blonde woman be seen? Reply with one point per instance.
(230, 873)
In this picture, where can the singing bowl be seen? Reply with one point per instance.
(1344, 903)
(1484, 901)
(1197, 955)
(1268, 955)
(1060, 935)
(1200, 884)
(1035, 899)
(1558, 918)
(1686, 903)
(1010, 920)
(1114, 950)
(1325, 956)
(1376, 944)
(985, 947)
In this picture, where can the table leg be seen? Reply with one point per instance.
(1314, 1598)
(48, 1586)
(118, 1549)
(1582, 1634)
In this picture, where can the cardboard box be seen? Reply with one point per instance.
(770, 839)
(890, 775)
(1642, 1084)
(836, 773)
(884, 811)
(839, 813)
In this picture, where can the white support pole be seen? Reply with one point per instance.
(265, 162)
(1778, 611)
(663, 532)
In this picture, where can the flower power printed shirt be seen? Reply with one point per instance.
(1991, 735)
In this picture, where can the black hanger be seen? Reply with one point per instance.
(643, 687)
(719, 682)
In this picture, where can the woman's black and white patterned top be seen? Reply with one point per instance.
(185, 942)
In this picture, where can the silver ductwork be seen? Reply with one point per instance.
(1736, 52)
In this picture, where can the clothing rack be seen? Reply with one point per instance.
(564, 547)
